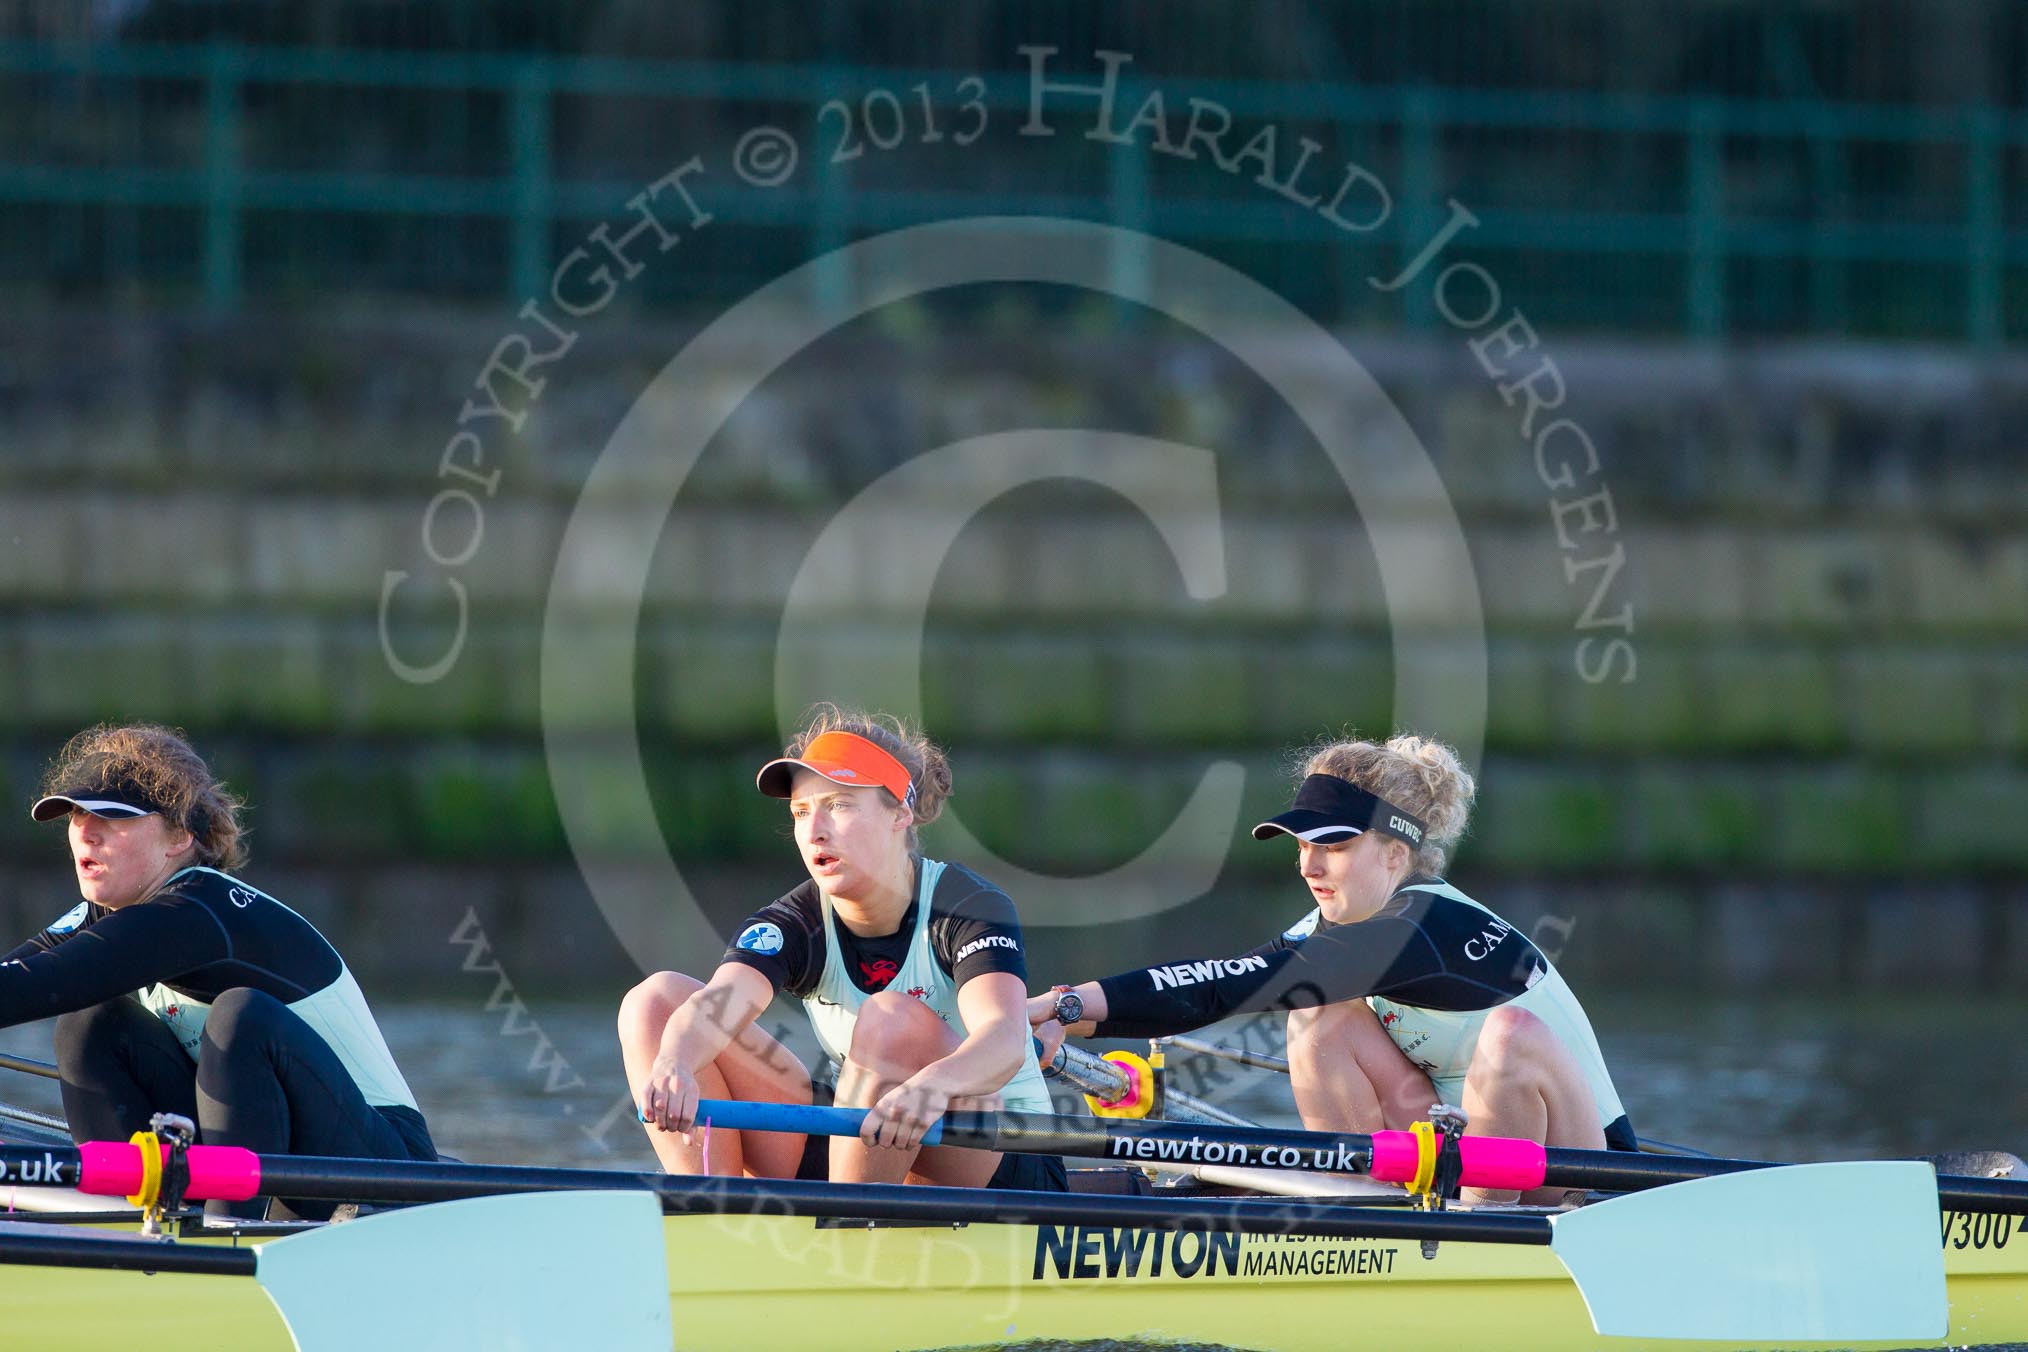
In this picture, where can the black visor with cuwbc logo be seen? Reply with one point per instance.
(1328, 810)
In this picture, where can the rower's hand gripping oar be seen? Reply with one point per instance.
(1805, 1253)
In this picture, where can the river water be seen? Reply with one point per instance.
(539, 1082)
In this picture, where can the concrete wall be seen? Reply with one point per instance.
(1819, 772)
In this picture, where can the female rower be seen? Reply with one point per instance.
(911, 971)
(1400, 990)
(177, 987)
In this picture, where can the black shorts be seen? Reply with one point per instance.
(1619, 1134)
(1031, 1173)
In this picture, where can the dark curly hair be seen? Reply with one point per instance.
(159, 763)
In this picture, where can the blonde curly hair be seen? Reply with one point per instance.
(1420, 775)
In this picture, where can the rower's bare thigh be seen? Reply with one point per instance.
(1518, 1051)
(897, 1037)
(1351, 1030)
(755, 1066)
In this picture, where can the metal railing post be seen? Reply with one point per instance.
(222, 135)
(1418, 206)
(1828, 307)
(529, 152)
(1707, 223)
(1127, 205)
(1985, 277)
(830, 223)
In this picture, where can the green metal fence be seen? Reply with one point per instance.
(253, 175)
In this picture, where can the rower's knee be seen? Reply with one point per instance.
(897, 1034)
(1318, 1038)
(89, 1035)
(645, 1010)
(1510, 1040)
(237, 1016)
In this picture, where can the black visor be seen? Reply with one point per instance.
(120, 798)
(1328, 810)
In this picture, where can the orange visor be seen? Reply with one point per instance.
(843, 758)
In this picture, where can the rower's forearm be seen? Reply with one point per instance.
(696, 1036)
(984, 1062)
(1120, 1007)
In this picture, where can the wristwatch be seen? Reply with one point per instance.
(1069, 1006)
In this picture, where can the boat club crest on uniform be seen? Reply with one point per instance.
(71, 919)
(760, 937)
(879, 971)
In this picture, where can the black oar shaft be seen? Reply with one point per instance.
(340, 1180)
(1625, 1171)
(405, 1181)
(37, 1166)
(1152, 1141)
(42, 1246)
(1149, 1141)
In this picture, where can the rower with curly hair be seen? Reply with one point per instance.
(1399, 989)
(179, 987)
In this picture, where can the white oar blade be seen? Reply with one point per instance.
(1805, 1253)
(537, 1271)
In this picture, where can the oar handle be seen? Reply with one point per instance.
(739, 1116)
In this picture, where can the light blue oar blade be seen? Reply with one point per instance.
(537, 1271)
(1805, 1253)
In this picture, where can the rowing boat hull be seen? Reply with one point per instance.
(739, 1282)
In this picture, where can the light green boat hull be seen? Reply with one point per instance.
(772, 1281)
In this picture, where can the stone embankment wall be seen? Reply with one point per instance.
(1818, 773)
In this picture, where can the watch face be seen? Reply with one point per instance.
(1069, 1008)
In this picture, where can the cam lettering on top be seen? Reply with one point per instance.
(1488, 941)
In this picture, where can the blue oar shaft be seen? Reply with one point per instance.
(1139, 1141)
